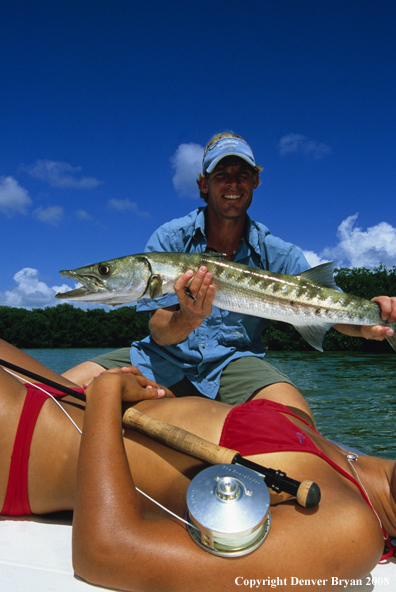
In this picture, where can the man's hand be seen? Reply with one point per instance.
(175, 323)
(388, 313)
(196, 303)
(376, 332)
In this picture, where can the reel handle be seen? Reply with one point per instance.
(306, 492)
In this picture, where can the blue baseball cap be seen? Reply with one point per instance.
(229, 146)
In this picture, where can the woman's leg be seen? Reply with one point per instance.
(14, 355)
(55, 440)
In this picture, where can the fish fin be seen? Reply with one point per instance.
(314, 334)
(322, 274)
(155, 286)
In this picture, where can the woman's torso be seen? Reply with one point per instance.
(55, 444)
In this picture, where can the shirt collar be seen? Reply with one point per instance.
(251, 233)
(200, 221)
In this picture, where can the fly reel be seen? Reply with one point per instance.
(228, 510)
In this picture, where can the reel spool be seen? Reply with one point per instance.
(228, 510)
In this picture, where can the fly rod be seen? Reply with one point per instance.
(307, 493)
(43, 380)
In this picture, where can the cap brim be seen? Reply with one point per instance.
(216, 161)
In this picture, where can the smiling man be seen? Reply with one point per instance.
(195, 348)
(199, 349)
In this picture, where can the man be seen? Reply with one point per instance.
(197, 349)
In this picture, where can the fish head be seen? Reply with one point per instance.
(117, 281)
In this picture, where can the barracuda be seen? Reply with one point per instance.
(311, 301)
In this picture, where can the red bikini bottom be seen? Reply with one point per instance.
(16, 502)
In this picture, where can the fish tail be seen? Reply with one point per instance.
(392, 340)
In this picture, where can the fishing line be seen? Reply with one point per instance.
(36, 386)
(353, 458)
(47, 381)
(24, 381)
(306, 492)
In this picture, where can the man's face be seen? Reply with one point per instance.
(230, 187)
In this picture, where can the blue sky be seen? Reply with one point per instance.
(105, 107)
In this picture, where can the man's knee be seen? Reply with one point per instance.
(286, 394)
(84, 373)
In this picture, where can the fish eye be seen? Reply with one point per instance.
(104, 269)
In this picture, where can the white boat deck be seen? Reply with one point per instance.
(35, 556)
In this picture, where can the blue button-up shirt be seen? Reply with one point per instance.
(224, 336)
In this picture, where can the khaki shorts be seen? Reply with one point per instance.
(239, 380)
(114, 359)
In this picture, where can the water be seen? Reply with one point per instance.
(352, 395)
(61, 360)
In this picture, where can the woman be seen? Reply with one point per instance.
(122, 540)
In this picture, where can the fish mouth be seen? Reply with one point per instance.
(71, 294)
(90, 285)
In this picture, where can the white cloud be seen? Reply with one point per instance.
(61, 174)
(83, 215)
(32, 292)
(125, 205)
(52, 215)
(297, 143)
(314, 259)
(14, 199)
(187, 163)
(364, 248)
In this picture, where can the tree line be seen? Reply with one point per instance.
(66, 326)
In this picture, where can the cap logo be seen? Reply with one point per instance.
(223, 144)
(224, 147)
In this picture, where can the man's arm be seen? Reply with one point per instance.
(377, 332)
(174, 324)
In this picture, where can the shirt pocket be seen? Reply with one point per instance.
(232, 332)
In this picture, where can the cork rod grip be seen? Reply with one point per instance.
(307, 492)
(177, 438)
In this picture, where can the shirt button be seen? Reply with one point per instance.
(203, 346)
